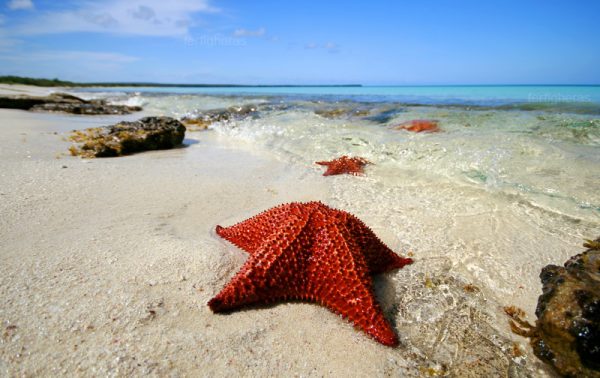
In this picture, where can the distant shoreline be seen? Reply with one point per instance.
(62, 83)
(169, 85)
(40, 82)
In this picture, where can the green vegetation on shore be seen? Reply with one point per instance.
(34, 81)
(62, 83)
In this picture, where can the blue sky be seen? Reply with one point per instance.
(303, 42)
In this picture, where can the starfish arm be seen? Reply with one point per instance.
(267, 274)
(379, 257)
(250, 234)
(329, 164)
(339, 279)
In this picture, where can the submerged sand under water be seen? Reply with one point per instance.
(108, 263)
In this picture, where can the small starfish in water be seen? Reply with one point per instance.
(419, 126)
(350, 165)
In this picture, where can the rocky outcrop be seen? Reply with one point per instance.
(205, 119)
(567, 331)
(64, 103)
(124, 138)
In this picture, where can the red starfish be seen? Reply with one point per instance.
(308, 251)
(344, 164)
(419, 125)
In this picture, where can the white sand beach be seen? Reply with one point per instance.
(31, 90)
(107, 266)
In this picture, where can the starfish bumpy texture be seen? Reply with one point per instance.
(344, 164)
(309, 251)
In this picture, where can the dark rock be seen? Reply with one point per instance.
(62, 102)
(567, 331)
(241, 111)
(66, 98)
(195, 124)
(233, 113)
(20, 102)
(86, 109)
(341, 112)
(124, 138)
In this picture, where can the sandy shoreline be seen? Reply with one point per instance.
(19, 89)
(108, 265)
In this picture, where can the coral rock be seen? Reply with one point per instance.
(149, 133)
(311, 252)
(567, 331)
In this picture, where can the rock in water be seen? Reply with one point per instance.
(149, 133)
(205, 119)
(93, 108)
(567, 331)
(342, 112)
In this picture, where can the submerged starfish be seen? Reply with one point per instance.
(344, 164)
(420, 125)
(311, 252)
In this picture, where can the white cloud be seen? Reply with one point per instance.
(136, 17)
(260, 32)
(20, 4)
(329, 46)
(143, 13)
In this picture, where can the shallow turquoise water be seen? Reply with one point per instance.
(535, 144)
(475, 95)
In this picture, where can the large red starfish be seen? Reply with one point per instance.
(344, 164)
(308, 251)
